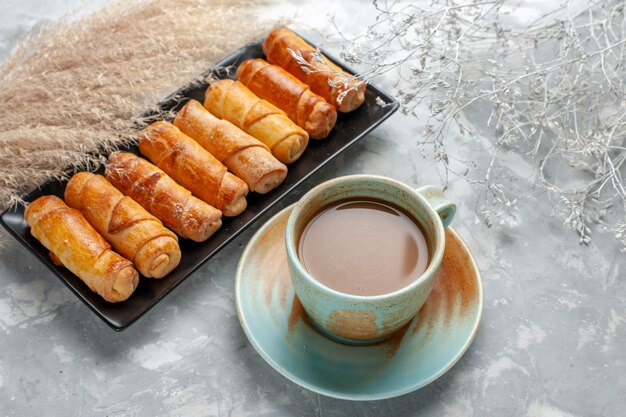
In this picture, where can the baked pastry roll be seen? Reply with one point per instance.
(272, 83)
(132, 231)
(193, 167)
(338, 87)
(233, 101)
(243, 155)
(158, 193)
(75, 244)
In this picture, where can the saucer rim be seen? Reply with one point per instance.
(337, 394)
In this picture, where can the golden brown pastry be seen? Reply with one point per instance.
(233, 101)
(158, 193)
(193, 167)
(74, 243)
(245, 156)
(132, 231)
(276, 48)
(272, 83)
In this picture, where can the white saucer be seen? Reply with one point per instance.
(276, 325)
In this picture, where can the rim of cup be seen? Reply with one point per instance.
(291, 244)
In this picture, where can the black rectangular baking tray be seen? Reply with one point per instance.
(350, 128)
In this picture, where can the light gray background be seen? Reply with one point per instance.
(551, 343)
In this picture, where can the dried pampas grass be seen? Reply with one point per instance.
(75, 87)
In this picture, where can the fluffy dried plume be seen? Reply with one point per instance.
(74, 90)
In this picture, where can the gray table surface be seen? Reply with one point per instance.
(551, 343)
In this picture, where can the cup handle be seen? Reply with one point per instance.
(444, 207)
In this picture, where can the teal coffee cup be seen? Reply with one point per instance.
(350, 316)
